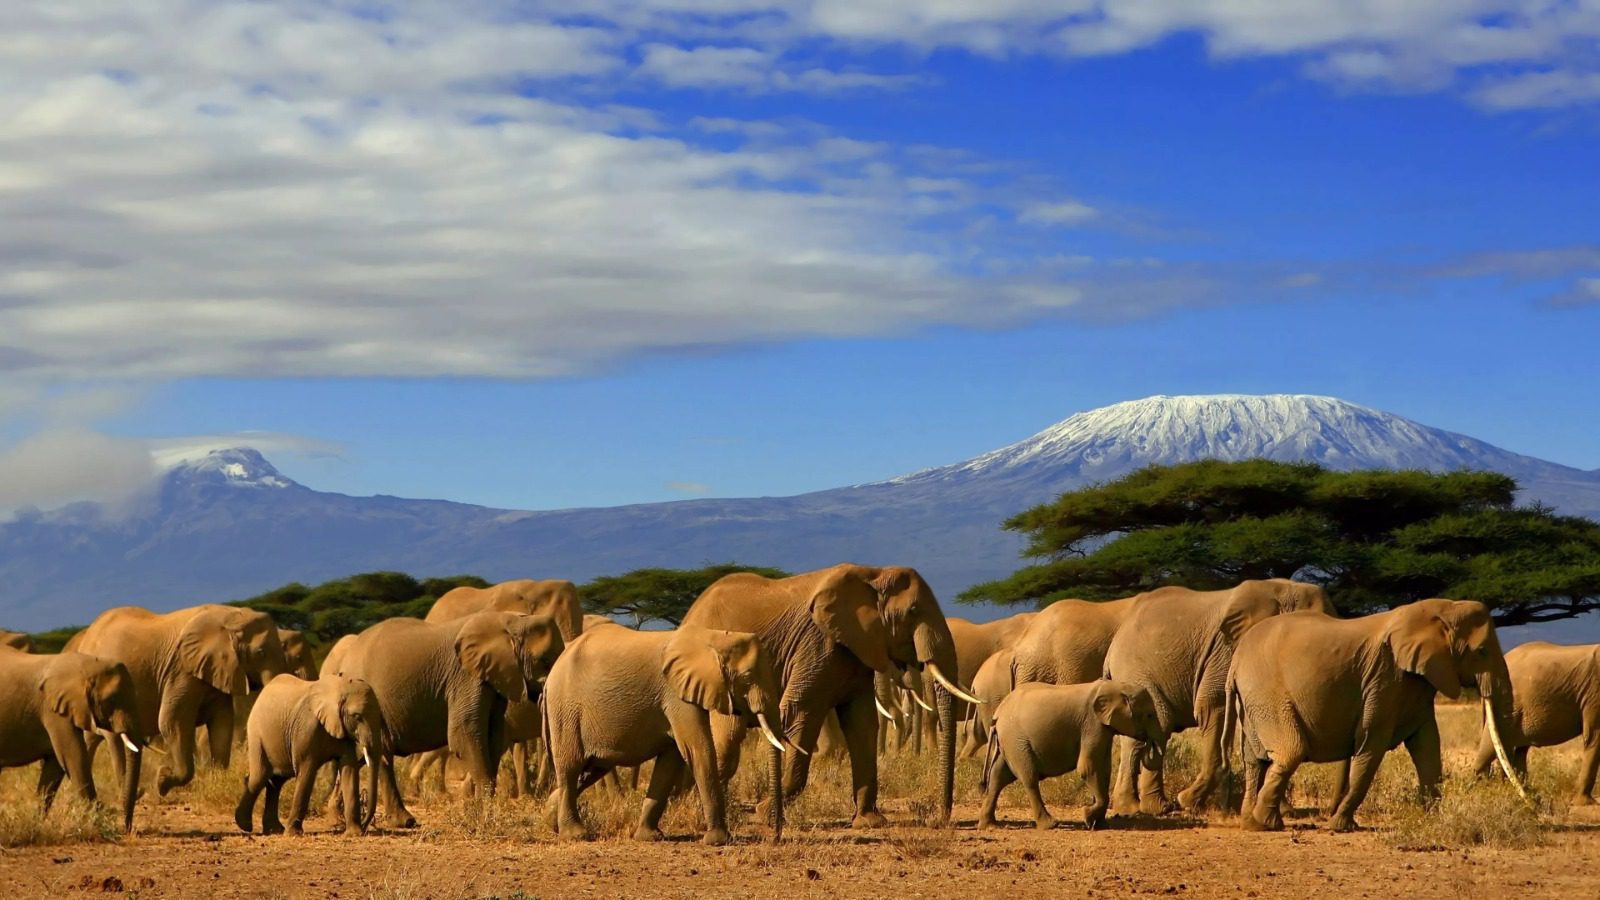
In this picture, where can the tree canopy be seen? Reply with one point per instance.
(1373, 539)
(658, 595)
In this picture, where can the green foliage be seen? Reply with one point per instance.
(334, 609)
(659, 595)
(1374, 539)
(54, 640)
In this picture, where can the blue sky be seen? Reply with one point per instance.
(507, 254)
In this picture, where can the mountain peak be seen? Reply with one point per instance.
(233, 466)
(1113, 440)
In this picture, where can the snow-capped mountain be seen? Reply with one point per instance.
(227, 524)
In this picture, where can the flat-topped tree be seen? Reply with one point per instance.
(1375, 539)
(658, 595)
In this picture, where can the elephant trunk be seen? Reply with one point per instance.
(936, 651)
(775, 774)
(374, 761)
(947, 752)
(130, 783)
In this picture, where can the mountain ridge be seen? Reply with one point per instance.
(229, 524)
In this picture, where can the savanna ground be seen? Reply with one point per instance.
(1481, 841)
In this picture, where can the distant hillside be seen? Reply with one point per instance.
(230, 525)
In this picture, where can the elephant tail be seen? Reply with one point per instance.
(1232, 722)
(991, 759)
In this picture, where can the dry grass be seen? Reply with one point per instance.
(1471, 812)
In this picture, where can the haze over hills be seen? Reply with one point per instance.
(230, 525)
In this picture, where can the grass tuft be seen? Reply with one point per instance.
(1472, 812)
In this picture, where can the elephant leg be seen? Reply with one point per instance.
(219, 732)
(1363, 767)
(395, 813)
(1341, 786)
(859, 721)
(270, 823)
(1253, 772)
(999, 779)
(304, 780)
(568, 823)
(699, 754)
(1098, 778)
(179, 768)
(1586, 771)
(1425, 757)
(254, 781)
(519, 768)
(1152, 784)
(1483, 762)
(50, 775)
(1519, 761)
(1195, 797)
(334, 808)
(1027, 772)
(1125, 796)
(663, 778)
(1267, 814)
(354, 811)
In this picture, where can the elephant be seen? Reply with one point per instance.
(295, 727)
(1176, 644)
(1066, 642)
(446, 684)
(975, 643)
(828, 631)
(993, 683)
(593, 620)
(619, 697)
(187, 667)
(555, 598)
(1044, 730)
(47, 704)
(1304, 687)
(16, 640)
(1555, 693)
(299, 660)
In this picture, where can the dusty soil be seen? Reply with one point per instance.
(185, 853)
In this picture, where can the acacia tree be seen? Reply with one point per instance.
(658, 595)
(1373, 539)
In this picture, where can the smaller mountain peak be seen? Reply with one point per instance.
(238, 466)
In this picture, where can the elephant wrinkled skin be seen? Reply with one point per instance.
(619, 697)
(1555, 693)
(828, 631)
(1177, 644)
(1309, 688)
(187, 667)
(1045, 730)
(49, 702)
(552, 597)
(295, 727)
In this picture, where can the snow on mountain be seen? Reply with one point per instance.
(233, 466)
(1109, 441)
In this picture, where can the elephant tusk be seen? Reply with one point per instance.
(797, 748)
(1500, 750)
(933, 669)
(766, 732)
(919, 701)
(132, 747)
(366, 755)
(881, 711)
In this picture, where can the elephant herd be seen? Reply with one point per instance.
(1265, 669)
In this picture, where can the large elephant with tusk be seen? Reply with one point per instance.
(828, 632)
(619, 697)
(187, 667)
(1305, 687)
(49, 702)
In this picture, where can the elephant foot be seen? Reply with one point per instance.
(1154, 806)
(295, 829)
(399, 820)
(1249, 822)
(272, 828)
(241, 817)
(1125, 806)
(648, 833)
(572, 834)
(1094, 819)
(1045, 822)
(165, 782)
(716, 837)
(1192, 800)
(985, 822)
(1342, 823)
(869, 819)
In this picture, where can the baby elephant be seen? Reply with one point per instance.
(619, 697)
(294, 728)
(1044, 730)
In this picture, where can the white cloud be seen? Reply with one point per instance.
(1540, 89)
(59, 466)
(1061, 212)
(170, 451)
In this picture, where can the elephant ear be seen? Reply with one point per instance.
(1245, 608)
(67, 695)
(1104, 702)
(1422, 646)
(696, 662)
(209, 651)
(325, 702)
(845, 607)
(487, 649)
